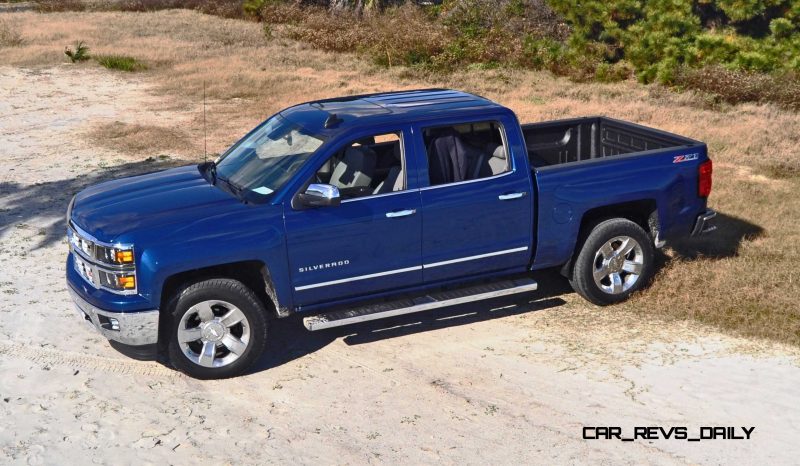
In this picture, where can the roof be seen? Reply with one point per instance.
(387, 107)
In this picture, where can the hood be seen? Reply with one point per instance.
(177, 196)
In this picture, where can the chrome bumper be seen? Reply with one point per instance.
(702, 226)
(128, 328)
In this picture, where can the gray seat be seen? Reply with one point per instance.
(495, 161)
(356, 169)
(394, 179)
(498, 162)
(449, 158)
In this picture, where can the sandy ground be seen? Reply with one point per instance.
(502, 382)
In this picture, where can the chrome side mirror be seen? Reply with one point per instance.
(320, 195)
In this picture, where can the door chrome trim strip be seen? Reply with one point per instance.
(479, 256)
(476, 180)
(359, 277)
(410, 269)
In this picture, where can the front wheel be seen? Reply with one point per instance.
(217, 329)
(616, 260)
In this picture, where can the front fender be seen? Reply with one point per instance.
(258, 238)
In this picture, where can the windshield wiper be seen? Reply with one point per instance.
(234, 188)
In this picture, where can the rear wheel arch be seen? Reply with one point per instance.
(615, 248)
(642, 212)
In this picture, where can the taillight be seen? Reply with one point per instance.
(704, 178)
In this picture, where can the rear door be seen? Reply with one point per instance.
(480, 222)
(371, 242)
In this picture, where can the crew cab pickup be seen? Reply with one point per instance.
(364, 207)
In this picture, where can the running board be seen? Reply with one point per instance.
(423, 303)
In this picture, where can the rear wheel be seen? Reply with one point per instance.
(218, 329)
(615, 261)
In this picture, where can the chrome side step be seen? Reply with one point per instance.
(424, 303)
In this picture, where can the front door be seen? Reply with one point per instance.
(371, 242)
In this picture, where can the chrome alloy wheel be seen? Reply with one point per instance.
(618, 264)
(213, 333)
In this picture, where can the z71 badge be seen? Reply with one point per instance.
(685, 158)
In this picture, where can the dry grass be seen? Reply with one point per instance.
(479, 33)
(225, 8)
(9, 36)
(741, 86)
(744, 279)
(140, 139)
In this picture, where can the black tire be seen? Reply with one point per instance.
(591, 259)
(223, 297)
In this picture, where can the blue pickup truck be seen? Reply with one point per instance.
(371, 206)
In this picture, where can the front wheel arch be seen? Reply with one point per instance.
(252, 273)
(199, 310)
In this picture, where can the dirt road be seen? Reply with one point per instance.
(502, 382)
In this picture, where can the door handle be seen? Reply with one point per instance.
(401, 213)
(510, 196)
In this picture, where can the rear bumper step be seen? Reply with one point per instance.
(423, 303)
(702, 225)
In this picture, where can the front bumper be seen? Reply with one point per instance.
(702, 225)
(129, 328)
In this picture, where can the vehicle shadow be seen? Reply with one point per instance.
(289, 339)
(723, 242)
(20, 203)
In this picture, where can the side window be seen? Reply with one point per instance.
(366, 167)
(465, 152)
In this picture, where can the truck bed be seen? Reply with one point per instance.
(579, 139)
(583, 164)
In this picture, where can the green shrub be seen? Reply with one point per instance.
(81, 52)
(252, 7)
(120, 62)
(612, 72)
(658, 37)
(782, 28)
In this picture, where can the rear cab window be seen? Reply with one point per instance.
(465, 152)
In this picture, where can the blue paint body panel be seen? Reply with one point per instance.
(179, 222)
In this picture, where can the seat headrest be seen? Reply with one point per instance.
(356, 153)
(497, 151)
(443, 132)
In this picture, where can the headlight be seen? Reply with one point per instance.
(102, 253)
(103, 265)
(113, 255)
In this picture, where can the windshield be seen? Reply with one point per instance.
(266, 158)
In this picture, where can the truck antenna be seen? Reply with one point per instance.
(205, 137)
